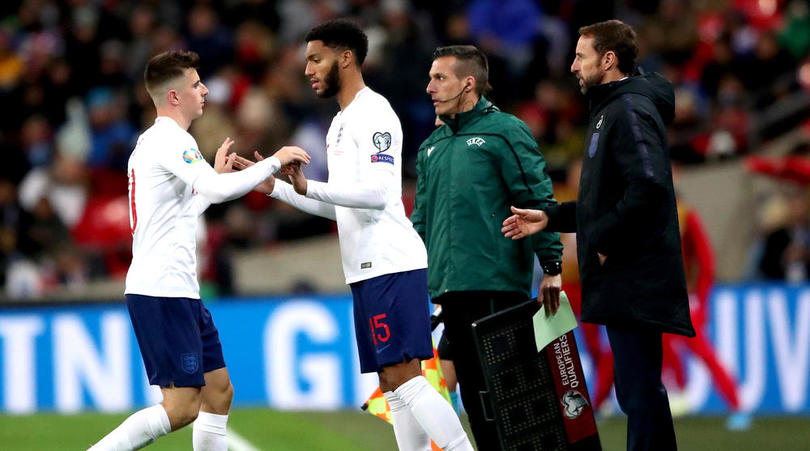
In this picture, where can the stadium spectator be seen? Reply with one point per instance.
(11, 227)
(63, 185)
(673, 31)
(509, 29)
(786, 253)
(768, 84)
(724, 61)
(112, 135)
(37, 141)
(794, 36)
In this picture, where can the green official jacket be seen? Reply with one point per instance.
(470, 171)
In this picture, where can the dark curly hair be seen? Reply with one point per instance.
(341, 34)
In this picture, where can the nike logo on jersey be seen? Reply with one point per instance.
(477, 141)
(430, 149)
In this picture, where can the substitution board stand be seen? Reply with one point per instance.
(538, 400)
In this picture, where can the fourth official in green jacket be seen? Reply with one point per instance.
(470, 171)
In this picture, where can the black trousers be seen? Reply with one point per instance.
(637, 359)
(459, 310)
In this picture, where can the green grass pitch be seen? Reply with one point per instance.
(281, 431)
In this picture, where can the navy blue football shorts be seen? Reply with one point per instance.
(392, 319)
(178, 340)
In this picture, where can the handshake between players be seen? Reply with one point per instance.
(291, 158)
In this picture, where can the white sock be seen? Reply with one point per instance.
(209, 432)
(138, 430)
(410, 435)
(434, 414)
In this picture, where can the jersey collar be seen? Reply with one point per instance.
(460, 120)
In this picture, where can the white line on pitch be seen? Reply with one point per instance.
(238, 443)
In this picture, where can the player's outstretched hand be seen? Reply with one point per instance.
(291, 154)
(268, 184)
(297, 178)
(524, 222)
(288, 169)
(223, 162)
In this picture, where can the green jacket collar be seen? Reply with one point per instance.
(458, 122)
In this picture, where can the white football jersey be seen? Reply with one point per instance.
(364, 153)
(164, 207)
(163, 212)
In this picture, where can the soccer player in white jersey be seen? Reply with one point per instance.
(170, 185)
(384, 260)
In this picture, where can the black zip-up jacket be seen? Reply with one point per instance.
(626, 210)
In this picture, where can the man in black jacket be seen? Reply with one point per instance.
(626, 223)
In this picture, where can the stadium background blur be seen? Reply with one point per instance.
(73, 103)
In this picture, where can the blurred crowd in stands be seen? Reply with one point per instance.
(74, 103)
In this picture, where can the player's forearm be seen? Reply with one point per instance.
(218, 188)
(372, 195)
(284, 192)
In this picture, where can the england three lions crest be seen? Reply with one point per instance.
(190, 362)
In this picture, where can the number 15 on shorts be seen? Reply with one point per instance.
(379, 330)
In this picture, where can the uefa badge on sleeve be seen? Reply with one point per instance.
(382, 141)
(192, 155)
